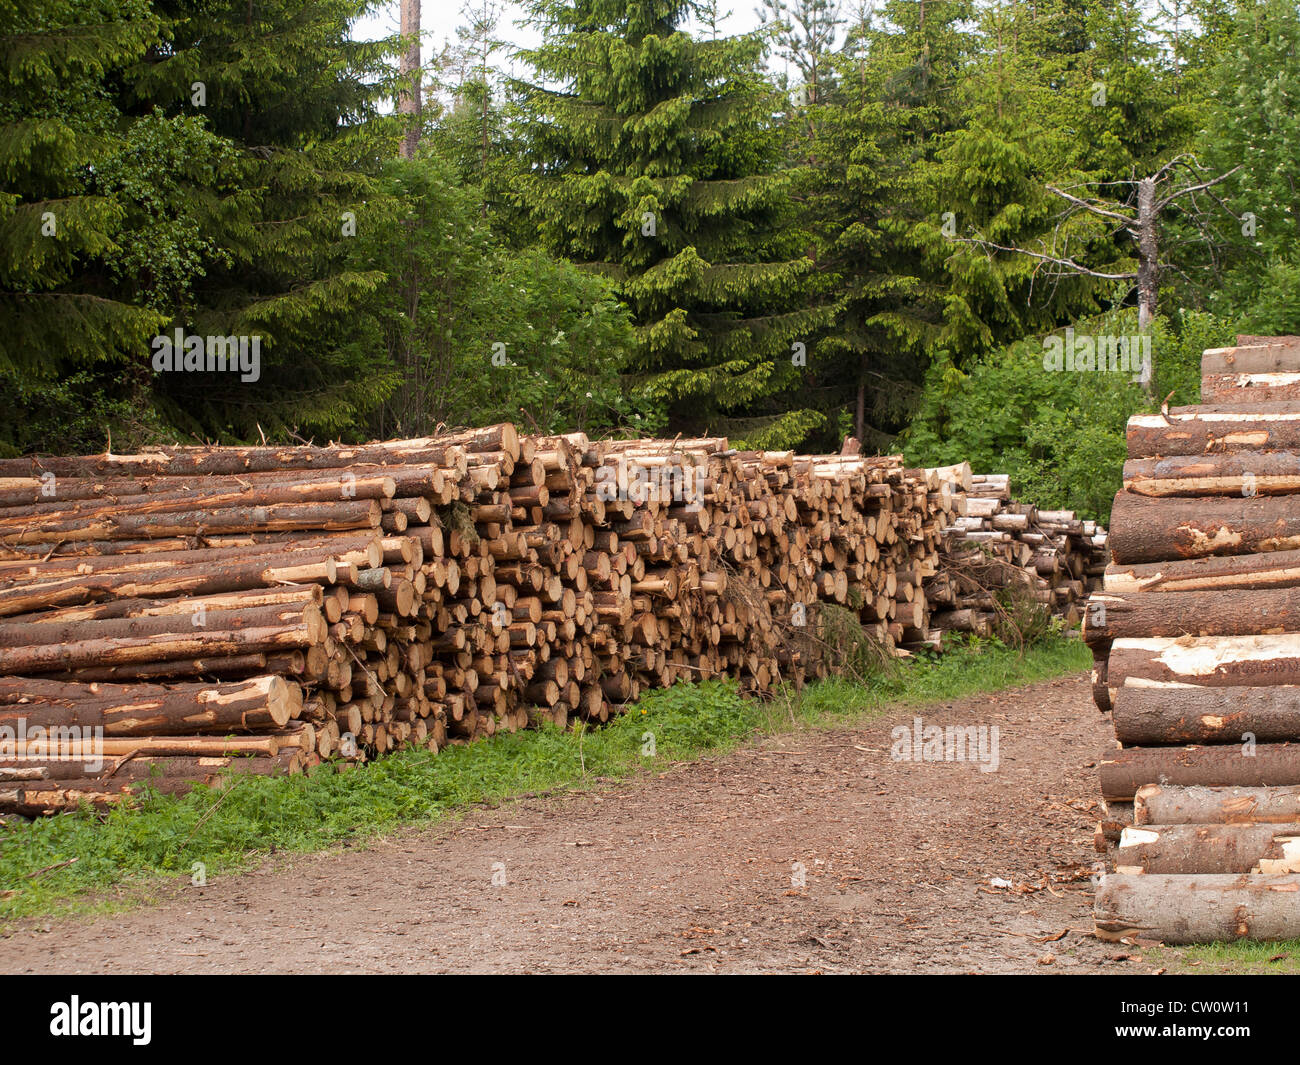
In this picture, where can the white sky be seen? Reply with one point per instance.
(439, 19)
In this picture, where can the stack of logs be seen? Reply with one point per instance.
(1197, 645)
(996, 544)
(261, 609)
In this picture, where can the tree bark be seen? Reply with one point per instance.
(1204, 908)
(1159, 530)
(1274, 569)
(1241, 474)
(1158, 714)
(1156, 804)
(1215, 661)
(1208, 430)
(1122, 772)
(1209, 849)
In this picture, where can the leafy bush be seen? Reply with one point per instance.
(1059, 434)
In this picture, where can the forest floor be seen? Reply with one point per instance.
(808, 851)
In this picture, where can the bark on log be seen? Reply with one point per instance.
(1204, 908)
(1279, 569)
(149, 709)
(1158, 530)
(1241, 474)
(1216, 661)
(1209, 849)
(1268, 357)
(1209, 430)
(1216, 613)
(1157, 804)
(1123, 772)
(1151, 714)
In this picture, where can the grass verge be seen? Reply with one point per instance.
(120, 858)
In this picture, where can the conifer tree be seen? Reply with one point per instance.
(654, 162)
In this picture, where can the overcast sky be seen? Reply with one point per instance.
(439, 19)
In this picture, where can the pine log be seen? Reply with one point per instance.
(1279, 569)
(1209, 849)
(1207, 430)
(1150, 713)
(1212, 613)
(1156, 530)
(1241, 473)
(1123, 772)
(1202, 908)
(147, 709)
(1217, 661)
(1269, 356)
(1156, 804)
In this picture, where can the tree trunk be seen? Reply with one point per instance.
(1209, 430)
(1217, 613)
(1157, 804)
(1273, 569)
(1241, 474)
(1209, 849)
(1215, 661)
(1205, 908)
(1158, 530)
(1158, 714)
(1122, 772)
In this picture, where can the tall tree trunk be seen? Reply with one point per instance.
(409, 100)
(1148, 278)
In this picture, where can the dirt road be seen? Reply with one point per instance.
(814, 851)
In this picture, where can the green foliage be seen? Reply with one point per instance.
(1255, 125)
(655, 162)
(1060, 434)
(478, 333)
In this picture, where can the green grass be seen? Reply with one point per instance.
(1237, 958)
(121, 857)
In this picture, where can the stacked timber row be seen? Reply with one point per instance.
(178, 615)
(1196, 638)
(996, 546)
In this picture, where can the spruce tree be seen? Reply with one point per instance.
(66, 329)
(654, 162)
(299, 102)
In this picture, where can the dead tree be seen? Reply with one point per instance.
(1135, 207)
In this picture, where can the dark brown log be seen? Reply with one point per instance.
(148, 710)
(1208, 430)
(285, 517)
(1216, 661)
(1204, 908)
(1214, 613)
(1169, 804)
(56, 657)
(178, 461)
(1156, 530)
(1277, 569)
(1147, 714)
(1122, 772)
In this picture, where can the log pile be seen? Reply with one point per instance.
(1196, 641)
(997, 546)
(195, 611)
